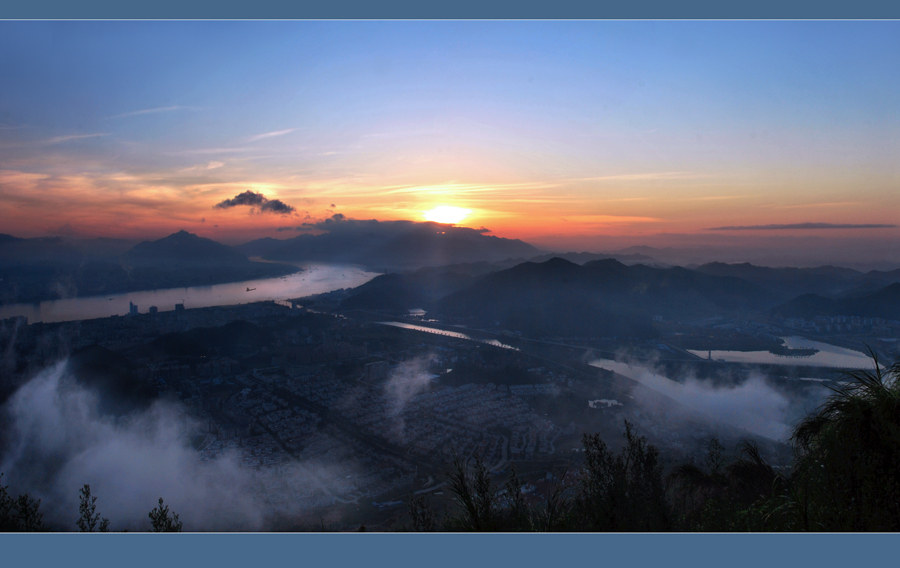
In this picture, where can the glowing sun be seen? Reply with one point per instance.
(447, 214)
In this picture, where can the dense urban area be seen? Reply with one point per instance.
(343, 416)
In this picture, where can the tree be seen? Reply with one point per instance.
(622, 492)
(89, 518)
(846, 475)
(726, 496)
(475, 495)
(160, 520)
(423, 517)
(519, 512)
(553, 515)
(20, 514)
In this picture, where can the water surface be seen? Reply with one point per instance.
(828, 355)
(316, 279)
(455, 334)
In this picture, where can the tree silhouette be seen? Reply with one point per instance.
(160, 520)
(474, 495)
(423, 517)
(87, 508)
(622, 492)
(846, 475)
(21, 514)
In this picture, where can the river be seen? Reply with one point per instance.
(446, 333)
(828, 355)
(315, 279)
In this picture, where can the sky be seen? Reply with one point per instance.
(569, 135)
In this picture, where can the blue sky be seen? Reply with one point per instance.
(617, 128)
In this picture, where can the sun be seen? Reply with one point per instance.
(447, 214)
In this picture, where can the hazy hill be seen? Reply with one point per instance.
(33, 270)
(390, 244)
(884, 303)
(183, 248)
(789, 282)
(792, 282)
(45, 251)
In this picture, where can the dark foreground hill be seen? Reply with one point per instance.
(558, 297)
(402, 292)
(390, 244)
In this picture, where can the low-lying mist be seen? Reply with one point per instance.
(406, 381)
(56, 441)
(753, 404)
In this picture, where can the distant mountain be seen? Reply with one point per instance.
(791, 282)
(390, 244)
(583, 257)
(788, 282)
(44, 250)
(184, 248)
(884, 303)
(33, 270)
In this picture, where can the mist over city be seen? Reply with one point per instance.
(442, 276)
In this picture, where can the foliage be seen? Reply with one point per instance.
(19, 514)
(732, 496)
(423, 517)
(475, 495)
(624, 492)
(846, 475)
(87, 508)
(160, 520)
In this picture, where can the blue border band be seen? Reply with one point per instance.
(445, 550)
(462, 9)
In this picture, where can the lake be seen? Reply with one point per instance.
(316, 279)
(828, 355)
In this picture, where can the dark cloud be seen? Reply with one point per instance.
(483, 230)
(333, 205)
(328, 223)
(247, 198)
(253, 199)
(277, 206)
(801, 226)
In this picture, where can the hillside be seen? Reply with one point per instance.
(884, 303)
(34, 270)
(788, 282)
(603, 297)
(183, 248)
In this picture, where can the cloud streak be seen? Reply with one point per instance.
(150, 111)
(61, 139)
(271, 134)
(803, 226)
